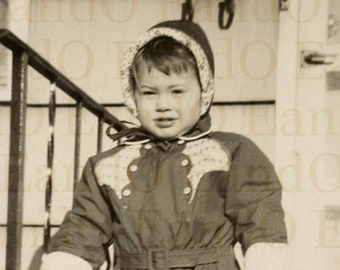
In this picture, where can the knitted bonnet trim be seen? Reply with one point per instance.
(204, 71)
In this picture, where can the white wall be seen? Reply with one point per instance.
(308, 140)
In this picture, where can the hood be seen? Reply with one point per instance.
(193, 37)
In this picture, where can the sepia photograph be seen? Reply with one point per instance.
(169, 134)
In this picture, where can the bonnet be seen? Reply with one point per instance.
(190, 35)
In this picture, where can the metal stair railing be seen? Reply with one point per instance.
(22, 57)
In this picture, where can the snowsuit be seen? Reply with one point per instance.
(182, 203)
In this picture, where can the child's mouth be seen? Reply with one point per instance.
(165, 122)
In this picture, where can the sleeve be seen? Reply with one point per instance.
(253, 200)
(86, 229)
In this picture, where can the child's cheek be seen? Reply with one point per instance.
(143, 105)
(144, 114)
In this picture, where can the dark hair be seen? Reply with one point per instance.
(166, 55)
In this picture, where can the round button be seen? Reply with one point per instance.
(186, 190)
(125, 206)
(133, 168)
(185, 162)
(126, 192)
(148, 146)
(180, 142)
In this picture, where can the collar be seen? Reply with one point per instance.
(192, 138)
(180, 138)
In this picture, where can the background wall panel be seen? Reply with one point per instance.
(85, 39)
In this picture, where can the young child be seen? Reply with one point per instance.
(174, 194)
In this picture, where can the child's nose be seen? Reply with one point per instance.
(163, 103)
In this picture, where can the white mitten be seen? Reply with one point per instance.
(62, 260)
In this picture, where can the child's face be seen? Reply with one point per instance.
(168, 105)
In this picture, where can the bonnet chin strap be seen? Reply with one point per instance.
(128, 133)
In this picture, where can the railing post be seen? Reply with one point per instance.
(50, 156)
(79, 108)
(17, 160)
(100, 134)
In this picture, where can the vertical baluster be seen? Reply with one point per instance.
(50, 154)
(100, 134)
(17, 161)
(79, 108)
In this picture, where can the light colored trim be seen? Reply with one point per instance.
(205, 155)
(136, 142)
(185, 138)
(113, 170)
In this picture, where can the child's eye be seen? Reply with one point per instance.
(177, 91)
(147, 93)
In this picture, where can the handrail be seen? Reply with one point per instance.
(12, 42)
(24, 56)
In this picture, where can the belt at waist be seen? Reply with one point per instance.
(165, 259)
